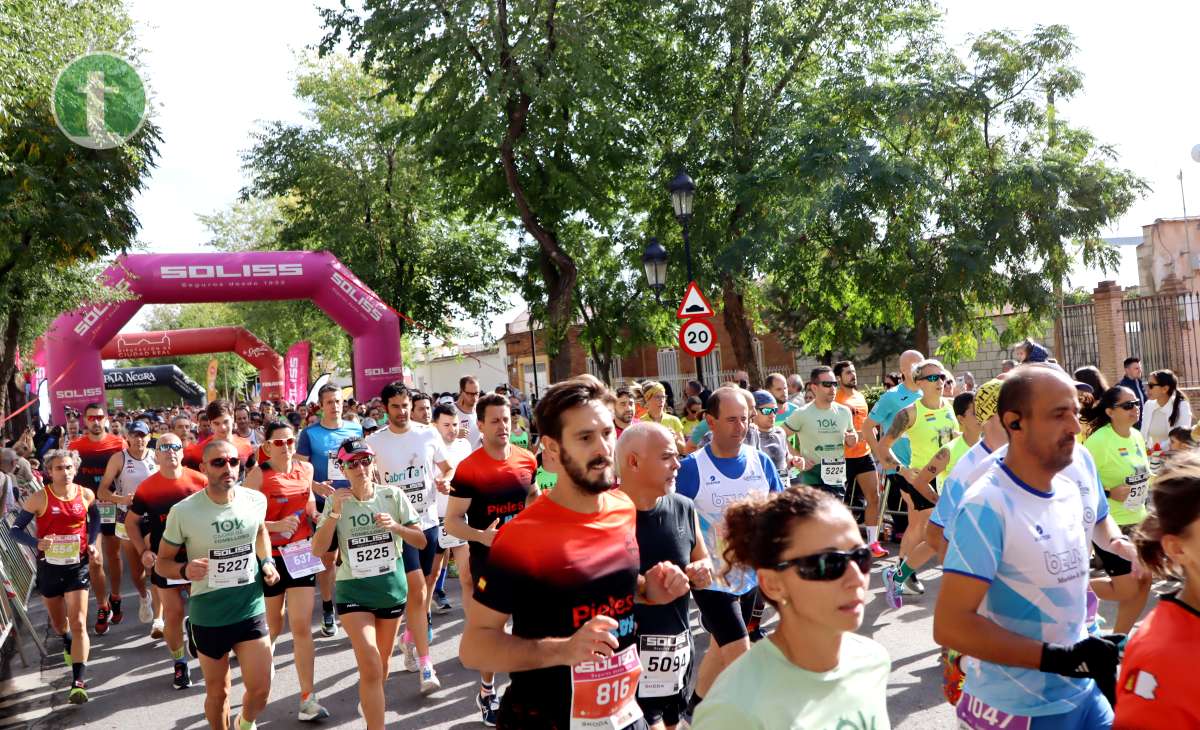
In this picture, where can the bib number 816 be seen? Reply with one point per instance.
(614, 691)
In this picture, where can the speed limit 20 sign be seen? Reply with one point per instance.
(697, 337)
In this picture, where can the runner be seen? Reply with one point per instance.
(67, 525)
(223, 532)
(366, 520)
(489, 488)
(623, 409)
(930, 425)
(95, 447)
(411, 458)
(1013, 593)
(667, 530)
(318, 444)
(813, 671)
(286, 482)
(152, 502)
(860, 466)
(566, 570)
(220, 420)
(1159, 686)
(693, 414)
(125, 471)
(656, 403)
(772, 439)
(445, 420)
(712, 478)
(181, 426)
(969, 428)
(1121, 458)
(422, 409)
(468, 397)
(824, 428)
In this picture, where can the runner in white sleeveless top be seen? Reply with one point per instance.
(124, 472)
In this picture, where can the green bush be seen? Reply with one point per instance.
(872, 393)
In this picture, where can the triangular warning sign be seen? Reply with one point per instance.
(694, 304)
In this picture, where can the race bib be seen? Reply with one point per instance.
(416, 493)
(446, 541)
(230, 567)
(1139, 490)
(299, 560)
(665, 662)
(334, 472)
(975, 714)
(108, 513)
(121, 533)
(63, 549)
(372, 555)
(833, 471)
(604, 692)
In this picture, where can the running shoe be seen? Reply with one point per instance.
(878, 550)
(891, 590)
(907, 589)
(117, 615)
(442, 603)
(67, 658)
(409, 649)
(78, 693)
(429, 680)
(488, 705)
(145, 610)
(310, 710)
(756, 635)
(328, 626)
(101, 622)
(156, 628)
(952, 675)
(183, 676)
(915, 584)
(191, 639)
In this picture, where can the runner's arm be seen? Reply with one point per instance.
(166, 565)
(487, 647)
(900, 425)
(93, 516)
(34, 505)
(133, 529)
(456, 521)
(958, 625)
(111, 472)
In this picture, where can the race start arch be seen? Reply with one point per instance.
(164, 343)
(74, 341)
(153, 375)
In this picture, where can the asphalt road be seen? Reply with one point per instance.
(130, 678)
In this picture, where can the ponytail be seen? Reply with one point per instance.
(1174, 506)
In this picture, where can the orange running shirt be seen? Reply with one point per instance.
(1159, 686)
(857, 403)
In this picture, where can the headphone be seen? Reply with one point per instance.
(1015, 425)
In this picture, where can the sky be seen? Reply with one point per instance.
(218, 69)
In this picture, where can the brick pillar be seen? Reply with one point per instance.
(1173, 326)
(1110, 330)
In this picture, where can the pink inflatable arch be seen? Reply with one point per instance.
(137, 345)
(74, 341)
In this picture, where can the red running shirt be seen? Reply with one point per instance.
(156, 495)
(553, 570)
(94, 456)
(1159, 686)
(497, 488)
(286, 495)
(64, 516)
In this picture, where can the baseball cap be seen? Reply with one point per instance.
(763, 398)
(139, 427)
(369, 423)
(987, 398)
(355, 448)
(651, 389)
(446, 400)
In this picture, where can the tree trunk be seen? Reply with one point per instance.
(921, 331)
(738, 327)
(8, 359)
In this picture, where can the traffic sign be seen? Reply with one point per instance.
(697, 337)
(694, 304)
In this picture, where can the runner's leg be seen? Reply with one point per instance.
(254, 658)
(372, 665)
(170, 600)
(299, 609)
(216, 691)
(76, 609)
(275, 615)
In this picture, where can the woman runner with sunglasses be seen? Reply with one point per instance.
(367, 520)
(813, 670)
(1121, 459)
(286, 482)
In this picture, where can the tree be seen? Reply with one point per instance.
(532, 107)
(347, 182)
(62, 206)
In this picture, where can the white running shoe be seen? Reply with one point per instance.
(429, 680)
(310, 710)
(156, 628)
(409, 650)
(145, 610)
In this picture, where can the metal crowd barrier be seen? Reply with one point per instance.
(18, 566)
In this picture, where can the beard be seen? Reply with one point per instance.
(579, 473)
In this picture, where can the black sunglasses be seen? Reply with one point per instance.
(768, 411)
(935, 378)
(170, 447)
(221, 461)
(1128, 405)
(829, 566)
(827, 383)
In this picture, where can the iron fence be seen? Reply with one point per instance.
(1077, 324)
(1161, 330)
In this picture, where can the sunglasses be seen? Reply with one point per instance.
(768, 411)
(830, 565)
(354, 463)
(935, 378)
(1153, 385)
(221, 461)
(283, 442)
(1128, 405)
(827, 383)
(95, 419)
(170, 447)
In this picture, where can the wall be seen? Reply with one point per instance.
(441, 374)
(1166, 243)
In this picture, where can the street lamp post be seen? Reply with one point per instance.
(683, 190)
